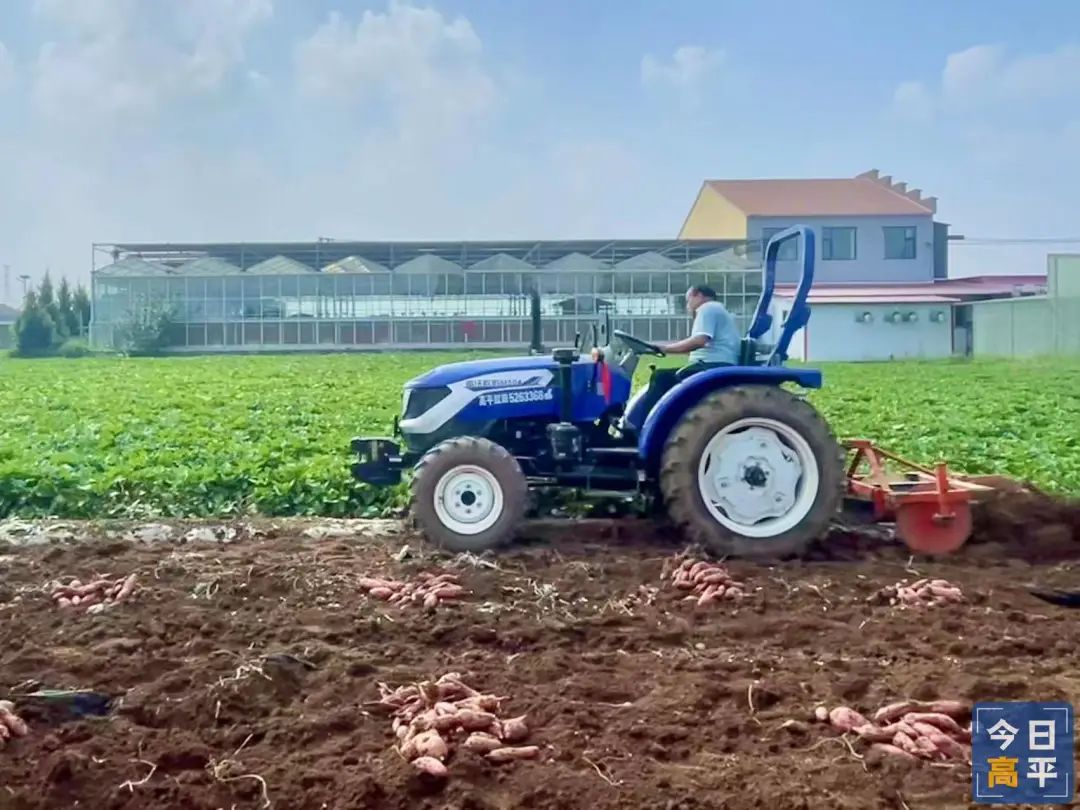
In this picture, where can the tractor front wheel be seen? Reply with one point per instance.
(468, 494)
(753, 472)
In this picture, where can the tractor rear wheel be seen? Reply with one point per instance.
(468, 494)
(753, 472)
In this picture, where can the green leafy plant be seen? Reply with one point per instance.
(220, 436)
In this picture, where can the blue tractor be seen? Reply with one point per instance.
(742, 465)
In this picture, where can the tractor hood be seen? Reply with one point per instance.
(457, 372)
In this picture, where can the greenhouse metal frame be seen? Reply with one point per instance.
(329, 295)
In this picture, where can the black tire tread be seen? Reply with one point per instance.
(678, 471)
(483, 453)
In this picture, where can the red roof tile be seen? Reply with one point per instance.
(854, 196)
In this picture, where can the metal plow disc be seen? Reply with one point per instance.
(924, 530)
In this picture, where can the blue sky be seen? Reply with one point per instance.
(133, 120)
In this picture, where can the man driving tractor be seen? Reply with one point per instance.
(713, 342)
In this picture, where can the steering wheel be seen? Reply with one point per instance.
(639, 345)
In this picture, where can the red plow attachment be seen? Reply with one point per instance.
(931, 507)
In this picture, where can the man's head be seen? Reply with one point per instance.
(698, 295)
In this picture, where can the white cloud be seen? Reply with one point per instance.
(121, 60)
(985, 78)
(912, 102)
(7, 68)
(427, 69)
(689, 70)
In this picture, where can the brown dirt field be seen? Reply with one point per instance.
(633, 704)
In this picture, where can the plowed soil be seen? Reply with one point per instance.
(637, 699)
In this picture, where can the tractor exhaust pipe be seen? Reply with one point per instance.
(537, 345)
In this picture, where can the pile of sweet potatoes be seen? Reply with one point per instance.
(921, 593)
(914, 730)
(10, 723)
(431, 719)
(427, 589)
(707, 582)
(93, 597)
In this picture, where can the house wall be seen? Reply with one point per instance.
(869, 264)
(713, 217)
(833, 333)
(7, 335)
(1036, 325)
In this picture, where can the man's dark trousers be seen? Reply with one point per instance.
(664, 379)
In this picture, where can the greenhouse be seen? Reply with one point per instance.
(367, 295)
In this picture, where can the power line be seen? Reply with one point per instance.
(1016, 240)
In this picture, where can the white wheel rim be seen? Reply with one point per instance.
(468, 499)
(758, 477)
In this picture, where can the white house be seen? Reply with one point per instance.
(881, 287)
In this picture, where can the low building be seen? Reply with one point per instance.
(860, 322)
(8, 316)
(881, 283)
(868, 228)
(1046, 324)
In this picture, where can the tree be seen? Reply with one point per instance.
(35, 333)
(80, 302)
(147, 330)
(69, 316)
(47, 301)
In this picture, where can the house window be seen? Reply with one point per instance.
(837, 243)
(788, 252)
(900, 242)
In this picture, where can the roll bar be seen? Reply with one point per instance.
(800, 310)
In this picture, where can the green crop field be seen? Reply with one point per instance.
(213, 436)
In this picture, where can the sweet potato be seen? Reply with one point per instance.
(707, 595)
(716, 578)
(821, 714)
(697, 567)
(483, 703)
(64, 602)
(953, 708)
(927, 748)
(512, 754)
(892, 750)
(937, 720)
(872, 733)
(96, 585)
(845, 719)
(430, 744)
(430, 766)
(514, 729)
(4, 734)
(473, 720)
(449, 591)
(947, 593)
(949, 747)
(905, 743)
(732, 593)
(431, 600)
(886, 714)
(380, 593)
(375, 582)
(481, 743)
(128, 587)
(442, 579)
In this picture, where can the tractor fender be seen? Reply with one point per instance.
(672, 405)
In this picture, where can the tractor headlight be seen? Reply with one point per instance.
(422, 400)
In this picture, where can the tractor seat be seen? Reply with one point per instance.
(748, 352)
